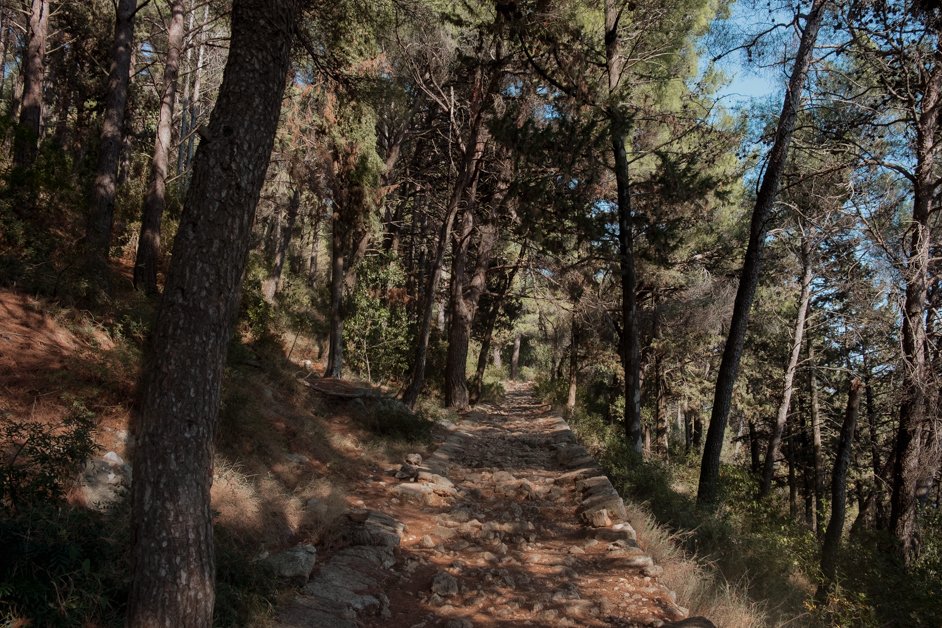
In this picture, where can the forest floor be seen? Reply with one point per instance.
(499, 535)
(498, 541)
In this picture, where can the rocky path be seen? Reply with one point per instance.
(509, 523)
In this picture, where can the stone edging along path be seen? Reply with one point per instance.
(510, 522)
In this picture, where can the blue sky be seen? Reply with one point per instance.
(748, 80)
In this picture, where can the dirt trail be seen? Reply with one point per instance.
(505, 540)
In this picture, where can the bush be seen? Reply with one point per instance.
(63, 566)
(391, 418)
(376, 335)
(40, 463)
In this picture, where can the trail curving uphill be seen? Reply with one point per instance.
(508, 523)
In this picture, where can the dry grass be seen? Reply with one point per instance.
(324, 501)
(697, 587)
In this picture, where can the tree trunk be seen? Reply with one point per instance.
(26, 140)
(335, 323)
(456, 389)
(619, 130)
(573, 368)
(5, 35)
(708, 489)
(273, 282)
(464, 310)
(754, 460)
(775, 440)
(816, 450)
(792, 477)
(185, 97)
(172, 550)
(195, 104)
(417, 379)
(912, 413)
(101, 212)
(467, 171)
(148, 246)
(832, 538)
(491, 315)
(515, 358)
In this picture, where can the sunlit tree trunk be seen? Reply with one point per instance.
(101, 210)
(148, 246)
(708, 490)
(26, 140)
(778, 428)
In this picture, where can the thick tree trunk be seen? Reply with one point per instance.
(456, 389)
(775, 440)
(101, 210)
(912, 413)
(273, 282)
(464, 311)
(172, 533)
(26, 140)
(148, 246)
(832, 538)
(708, 489)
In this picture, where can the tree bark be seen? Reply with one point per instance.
(708, 490)
(912, 413)
(573, 368)
(464, 308)
(172, 534)
(619, 129)
(148, 245)
(491, 315)
(195, 104)
(775, 440)
(515, 358)
(832, 538)
(474, 148)
(274, 280)
(101, 211)
(335, 322)
(816, 450)
(26, 140)
(456, 389)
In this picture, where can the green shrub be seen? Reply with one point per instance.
(41, 463)
(376, 335)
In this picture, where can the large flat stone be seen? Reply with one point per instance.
(612, 503)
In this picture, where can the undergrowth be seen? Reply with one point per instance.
(749, 563)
